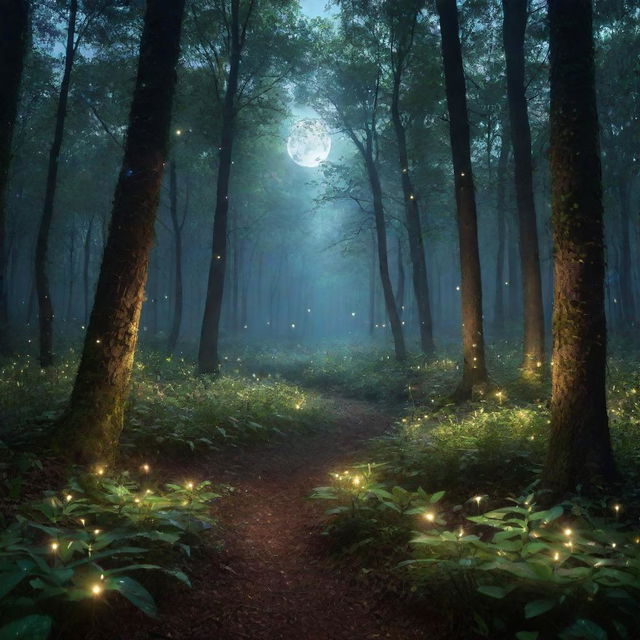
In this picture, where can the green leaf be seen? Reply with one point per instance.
(494, 592)
(134, 592)
(33, 627)
(583, 628)
(8, 581)
(436, 497)
(538, 607)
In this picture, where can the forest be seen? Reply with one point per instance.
(318, 319)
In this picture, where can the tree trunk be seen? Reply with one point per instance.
(208, 358)
(414, 229)
(501, 228)
(45, 305)
(85, 270)
(627, 301)
(71, 283)
(90, 429)
(383, 258)
(579, 448)
(372, 285)
(514, 25)
(475, 370)
(177, 239)
(14, 31)
(400, 287)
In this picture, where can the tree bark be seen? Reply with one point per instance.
(71, 283)
(475, 370)
(90, 429)
(401, 276)
(85, 269)
(414, 228)
(514, 26)
(208, 357)
(372, 285)
(501, 228)
(177, 239)
(45, 305)
(14, 31)
(579, 448)
(627, 299)
(383, 257)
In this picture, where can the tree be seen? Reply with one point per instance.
(45, 305)
(514, 25)
(347, 94)
(474, 370)
(14, 30)
(402, 19)
(579, 448)
(90, 428)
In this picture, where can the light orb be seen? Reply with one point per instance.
(309, 143)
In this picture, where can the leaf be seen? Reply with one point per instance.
(436, 497)
(135, 593)
(8, 581)
(583, 628)
(538, 607)
(33, 627)
(494, 592)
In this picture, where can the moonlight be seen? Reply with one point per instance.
(309, 143)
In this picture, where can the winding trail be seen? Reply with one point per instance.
(273, 579)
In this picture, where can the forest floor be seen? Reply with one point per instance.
(274, 578)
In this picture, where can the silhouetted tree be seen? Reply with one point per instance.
(14, 30)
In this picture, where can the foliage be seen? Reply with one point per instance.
(96, 536)
(170, 408)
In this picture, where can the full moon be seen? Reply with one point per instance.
(309, 143)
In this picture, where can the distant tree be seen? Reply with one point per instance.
(501, 229)
(347, 94)
(475, 370)
(90, 428)
(579, 448)
(45, 305)
(402, 18)
(514, 25)
(14, 31)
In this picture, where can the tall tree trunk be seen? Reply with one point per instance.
(90, 429)
(85, 269)
(235, 277)
(501, 228)
(627, 300)
(515, 21)
(372, 285)
(177, 239)
(383, 258)
(414, 228)
(14, 31)
(400, 287)
(45, 305)
(208, 357)
(579, 448)
(475, 370)
(71, 283)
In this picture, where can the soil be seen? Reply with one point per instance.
(274, 578)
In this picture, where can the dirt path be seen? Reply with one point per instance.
(273, 579)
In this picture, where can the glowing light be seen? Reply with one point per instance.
(478, 500)
(189, 485)
(68, 497)
(293, 325)
(178, 132)
(100, 471)
(146, 468)
(556, 556)
(356, 481)
(97, 589)
(97, 532)
(568, 532)
(429, 516)
(54, 546)
(309, 143)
